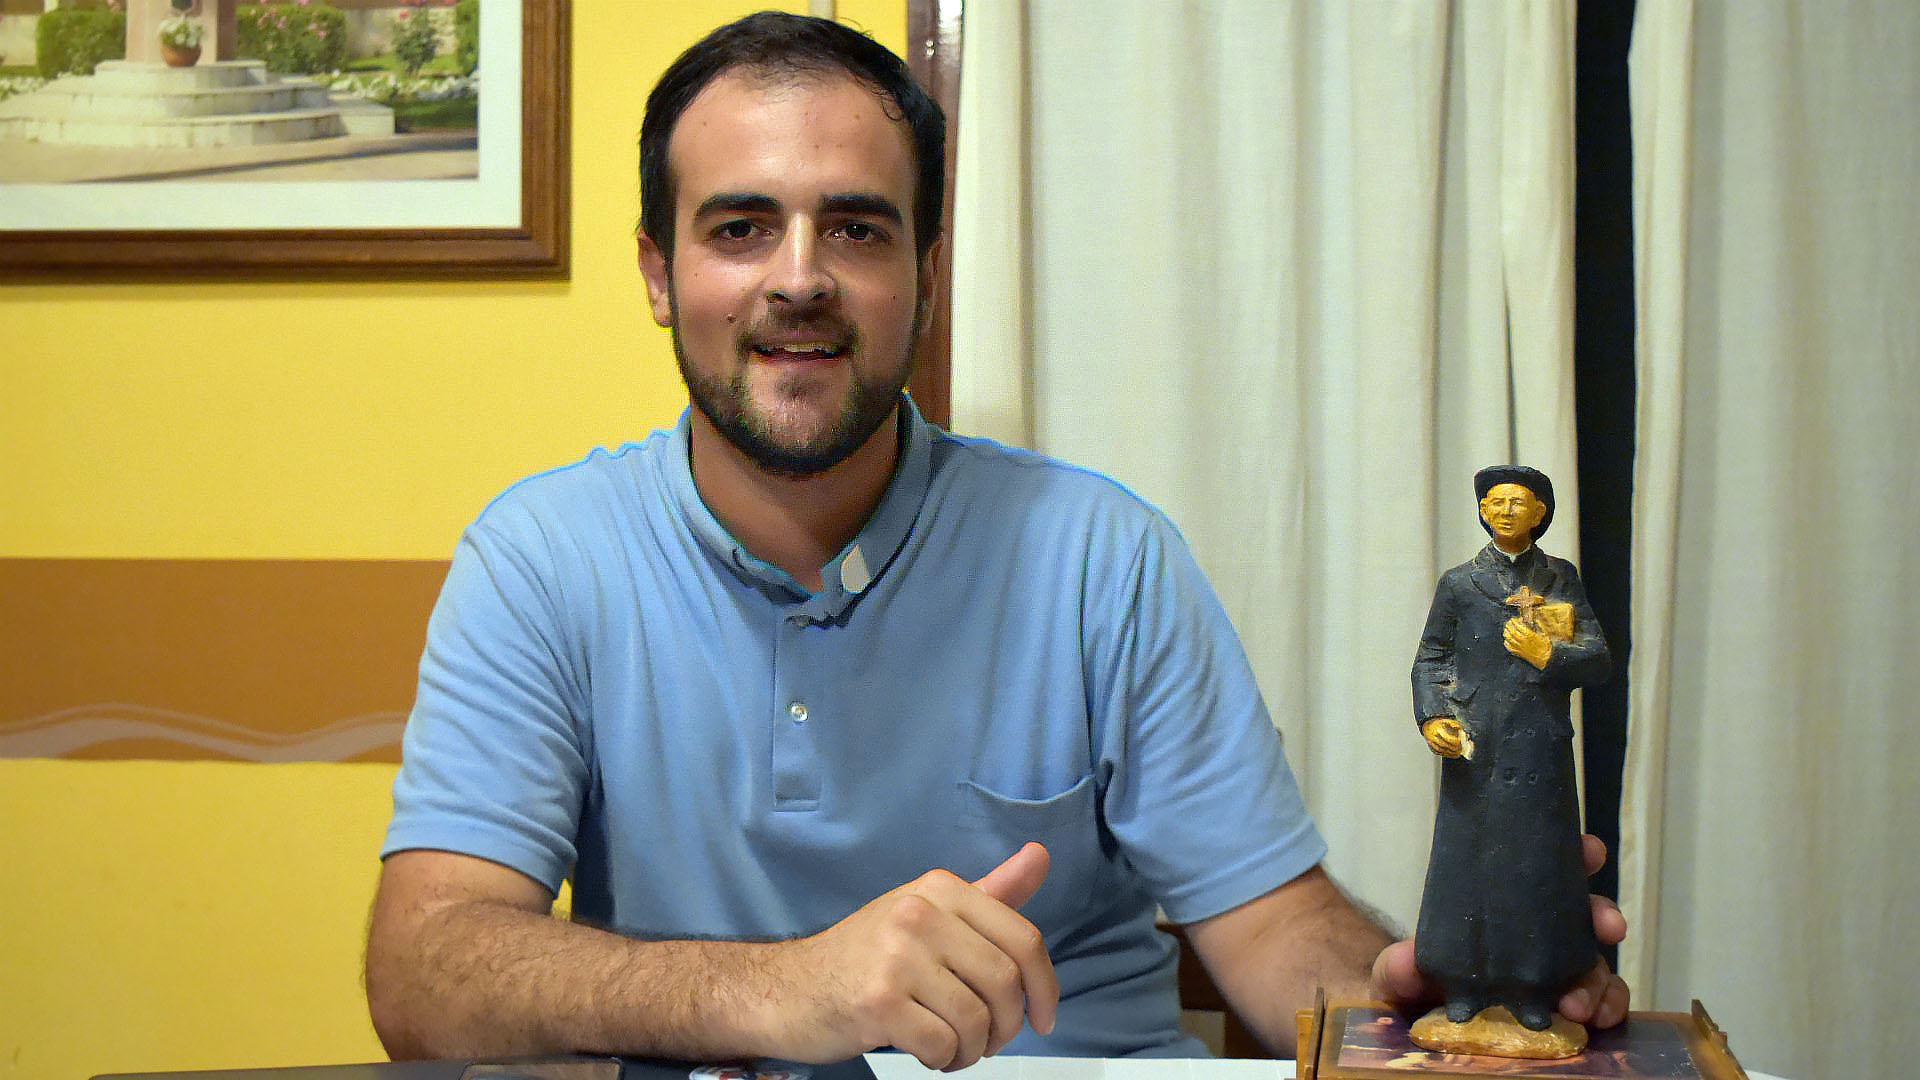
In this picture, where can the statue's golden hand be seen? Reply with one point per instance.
(1528, 644)
(1446, 737)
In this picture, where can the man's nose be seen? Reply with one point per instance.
(798, 275)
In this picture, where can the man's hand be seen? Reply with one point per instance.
(1599, 999)
(1447, 738)
(463, 960)
(938, 968)
(1528, 644)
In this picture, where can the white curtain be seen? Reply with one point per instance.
(1292, 272)
(1776, 151)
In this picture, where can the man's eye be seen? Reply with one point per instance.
(859, 232)
(735, 230)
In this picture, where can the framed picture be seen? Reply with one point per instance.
(484, 201)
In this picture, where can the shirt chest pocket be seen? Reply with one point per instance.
(993, 826)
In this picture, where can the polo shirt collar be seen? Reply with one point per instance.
(858, 565)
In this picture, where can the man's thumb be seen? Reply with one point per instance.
(1014, 882)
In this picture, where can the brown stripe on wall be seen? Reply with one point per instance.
(236, 660)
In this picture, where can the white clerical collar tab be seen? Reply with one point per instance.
(854, 575)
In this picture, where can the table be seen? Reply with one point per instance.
(904, 1067)
(884, 1066)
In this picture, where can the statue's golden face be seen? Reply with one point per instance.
(1512, 513)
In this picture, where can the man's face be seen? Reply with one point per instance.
(794, 294)
(1512, 513)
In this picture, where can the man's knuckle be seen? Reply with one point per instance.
(970, 1036)
(937, 880)
(974, 1017)
(938, 1047)
(914, 912)
(1003, 976)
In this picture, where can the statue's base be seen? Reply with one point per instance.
(1495, 1033)
(1371, 1040)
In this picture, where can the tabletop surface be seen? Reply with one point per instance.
(903, 1067)
(884, 1067)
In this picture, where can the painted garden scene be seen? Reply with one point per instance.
(242, 90)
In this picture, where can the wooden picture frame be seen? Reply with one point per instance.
(535, 247)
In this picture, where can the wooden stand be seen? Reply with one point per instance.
(1370, 1041)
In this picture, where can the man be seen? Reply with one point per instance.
(1505, 918)
(848, 733)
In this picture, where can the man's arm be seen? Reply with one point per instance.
(1268, 955)
(463, 959)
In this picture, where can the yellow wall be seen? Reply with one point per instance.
(184, 914)
(199, 915)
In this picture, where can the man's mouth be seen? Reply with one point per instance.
(799, 350)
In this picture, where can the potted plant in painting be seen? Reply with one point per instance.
(180, 40)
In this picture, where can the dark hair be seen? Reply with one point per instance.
(1527, 477)
(777, 43)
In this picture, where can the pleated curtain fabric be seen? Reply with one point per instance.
(1772, 771)
(1292, 272)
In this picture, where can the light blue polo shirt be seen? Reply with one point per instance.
(1011, 650)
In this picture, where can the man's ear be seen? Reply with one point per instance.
(929, 277)
(653, 267)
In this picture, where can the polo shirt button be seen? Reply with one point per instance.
(796, 620)
(798, 712)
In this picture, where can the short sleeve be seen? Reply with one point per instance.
(1199, 797)
(492, 762)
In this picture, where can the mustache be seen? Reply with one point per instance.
(824, 326)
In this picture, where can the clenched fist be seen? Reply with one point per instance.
(939, 968)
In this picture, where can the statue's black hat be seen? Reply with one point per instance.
(1532, 479)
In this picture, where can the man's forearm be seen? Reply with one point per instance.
(463, 959)
(1335, 944)
(1269, 956)
(478, 977)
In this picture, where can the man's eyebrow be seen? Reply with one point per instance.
(737, 204)
(857, 205)
(873, 206)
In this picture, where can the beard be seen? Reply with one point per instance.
(757, 431)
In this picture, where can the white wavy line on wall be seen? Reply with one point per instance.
(60, 733)
(154, 714)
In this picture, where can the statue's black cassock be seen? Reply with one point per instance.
(1505, 918)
